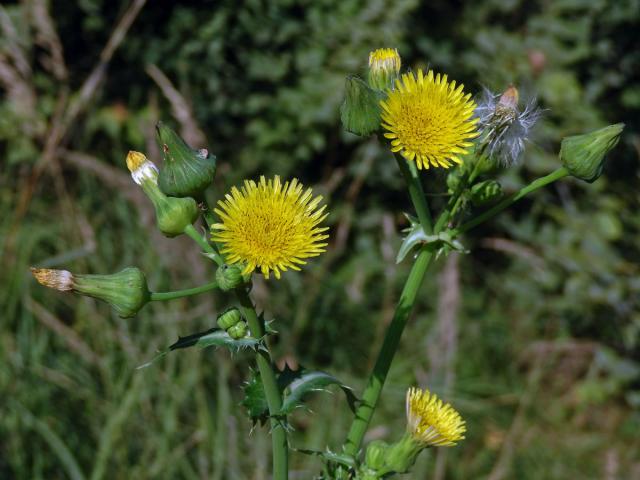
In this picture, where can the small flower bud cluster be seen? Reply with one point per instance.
(233, 323)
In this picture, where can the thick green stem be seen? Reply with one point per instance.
(156, 296)
(373, 389)
(206, 246)
(270, 384)
(533, 186)
(416, 193)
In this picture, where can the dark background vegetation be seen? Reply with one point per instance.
(534, 336)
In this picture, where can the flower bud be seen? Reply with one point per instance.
(485, 192)
(126, 291)
(238, 331)
(229, 318)
(360, 111)
(583, 155)
(376, 452)
(186, 172)
(173, 214)
(384, 68)
(229, 277)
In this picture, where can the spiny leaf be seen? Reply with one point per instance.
(441, 242)
(330, 456)
(293, 385)
(217, 338)
(214, 337)
(304, 381)
(255, 399)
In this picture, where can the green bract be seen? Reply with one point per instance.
(186, 172)
(126, 291)
(583, 155)
(360, 111)
(172, 214)
(229, 277)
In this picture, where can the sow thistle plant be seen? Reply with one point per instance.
(269, 226)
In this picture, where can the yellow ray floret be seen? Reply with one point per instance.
(429, 120)
(432, 422)
(270, 226)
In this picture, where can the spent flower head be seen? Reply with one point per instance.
(270, 226)
(126, 291)
(429, 120)
(504, 125)
(432, 422)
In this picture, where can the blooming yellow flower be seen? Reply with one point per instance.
(429, 120)
(270, 226)
(431, 422)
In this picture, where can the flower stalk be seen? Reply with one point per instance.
(269, 382)
(187, 292)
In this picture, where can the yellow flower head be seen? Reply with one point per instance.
(270, 226)
(429, 120)
(431, 422)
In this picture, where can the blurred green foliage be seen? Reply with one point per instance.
(545, 361)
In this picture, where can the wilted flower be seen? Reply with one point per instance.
(504, 126)
(270, 226)
(429, 120)
(126, 291)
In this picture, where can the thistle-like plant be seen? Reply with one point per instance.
(268, 226)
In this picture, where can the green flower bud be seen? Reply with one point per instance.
(485, 192)
(125, 291)
(229, 277)
(401, 455)
(238, 331)
(173, 214)
(384, 68)
(583, 155)
(360, 111)
(229, 318)
(375, 455)
(186, 172)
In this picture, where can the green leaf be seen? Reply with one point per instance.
(330, 456)
(440, 243)
(214, 337)
(293, 385)
(302, 381)
(255, 399)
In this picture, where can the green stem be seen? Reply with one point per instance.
(371, 394)
(533, 186)
(372, 391)
(270, 384)
(206, 246)
(157, 296)
(416, 193)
